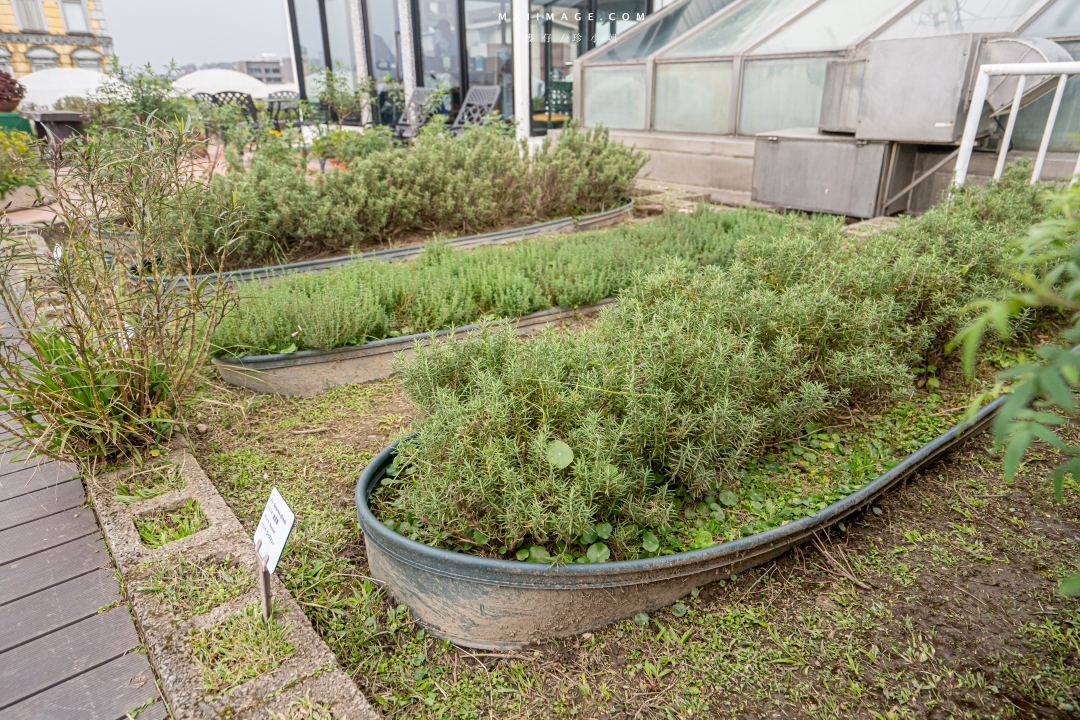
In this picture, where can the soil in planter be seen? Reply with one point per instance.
(239, 648)
(187, 588)
(960, 618)
(165, 526)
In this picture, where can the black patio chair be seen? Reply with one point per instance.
(242, 100)
(479, 103)
(202, 98)
(417, 114)
(284, 95)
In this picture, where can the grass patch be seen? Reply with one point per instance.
(164, 526)
(189, 588)
(240, 648)
(140, 484)
(443, 288)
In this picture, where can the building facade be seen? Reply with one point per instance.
(526, 47)
(269, 69)
(42, 34)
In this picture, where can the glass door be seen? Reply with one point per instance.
(559, 32)
(384, 53)
(489, 48)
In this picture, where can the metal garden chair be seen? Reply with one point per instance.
(479, 103)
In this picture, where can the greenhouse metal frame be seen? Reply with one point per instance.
(740, 67)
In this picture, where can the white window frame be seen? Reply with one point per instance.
(86, 17)
(19, 5)
(35, 58)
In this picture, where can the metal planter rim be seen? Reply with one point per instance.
(509, 573)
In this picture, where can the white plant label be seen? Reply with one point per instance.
(274, 528)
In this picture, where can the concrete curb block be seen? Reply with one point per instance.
(312, 672)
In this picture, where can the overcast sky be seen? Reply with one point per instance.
(196, 31)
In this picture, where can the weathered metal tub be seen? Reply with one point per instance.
(310, 372)
(501, 604)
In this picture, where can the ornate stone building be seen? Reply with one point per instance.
(41, 34)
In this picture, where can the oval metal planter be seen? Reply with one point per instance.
(409, 252)
(310, 372)
(502, 604)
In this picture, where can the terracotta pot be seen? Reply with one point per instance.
(9, 105)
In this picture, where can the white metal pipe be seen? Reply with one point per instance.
(408, 57)
(1045, 144)
(1010, 125)
(522, 57)
(971, 126)
(1052, 68)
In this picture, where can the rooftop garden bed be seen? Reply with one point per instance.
(960, 566)
(696, 392)
(442, 288)
(440, 186)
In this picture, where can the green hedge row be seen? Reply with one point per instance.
(443, 288)
(483, 180)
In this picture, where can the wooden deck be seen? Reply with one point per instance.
(68, 646)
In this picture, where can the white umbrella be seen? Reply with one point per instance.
(45, 87)
(219, 80)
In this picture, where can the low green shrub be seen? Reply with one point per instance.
(690, 375)
(482, 180)
(20, 161)
(95, 366)
(443, 288)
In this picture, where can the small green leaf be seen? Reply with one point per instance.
(478, 537)
(678, 610)
(933, 383)
(876, 510)
(728, 498)
(559, 455)
(522, 554)
(641, 618)
(598, 553)
(650, 542)
(538, 553)
(603, 531)
(1070, 586)
(588, 537)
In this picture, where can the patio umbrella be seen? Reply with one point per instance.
(45, 87)
(219, 80)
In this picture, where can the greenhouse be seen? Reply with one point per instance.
(741, 67)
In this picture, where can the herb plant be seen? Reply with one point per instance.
(443, 288)
(690, 376)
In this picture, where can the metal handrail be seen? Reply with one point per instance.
(982, 85)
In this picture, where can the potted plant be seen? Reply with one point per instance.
(11, 92)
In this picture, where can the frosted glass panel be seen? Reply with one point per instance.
(1032, 120)
(946, 17)
(615, 96)
(734, 31)
(693, 97)
(1062, 19)
(833, 25)
(660, 30)
(779, 94)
